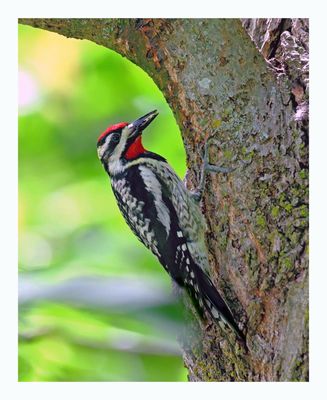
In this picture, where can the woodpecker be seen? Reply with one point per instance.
(162, 213)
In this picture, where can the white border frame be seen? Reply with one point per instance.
(8, 208)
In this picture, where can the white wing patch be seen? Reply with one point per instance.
(153, 185)
(132, 210)
(189, 215)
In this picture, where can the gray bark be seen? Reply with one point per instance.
(252, 96)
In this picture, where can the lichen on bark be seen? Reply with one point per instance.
(252, 97)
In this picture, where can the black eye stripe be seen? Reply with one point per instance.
(115, 137)
(110, 135)
(108, 144)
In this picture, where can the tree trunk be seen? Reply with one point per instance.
(253, 101)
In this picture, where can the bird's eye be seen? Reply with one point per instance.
(115, 137)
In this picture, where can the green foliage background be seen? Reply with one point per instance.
(94, 305)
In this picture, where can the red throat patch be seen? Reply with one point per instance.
(135, 149)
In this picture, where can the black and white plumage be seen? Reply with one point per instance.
(161, 212)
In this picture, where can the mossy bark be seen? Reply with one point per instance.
(253, 101)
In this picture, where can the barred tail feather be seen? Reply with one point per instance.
(215, 304)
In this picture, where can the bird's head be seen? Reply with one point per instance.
(123, 141)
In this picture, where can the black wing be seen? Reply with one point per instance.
(170, 245)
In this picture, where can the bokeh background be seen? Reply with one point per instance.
(94, 304)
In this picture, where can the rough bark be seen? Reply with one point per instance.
(253, 100)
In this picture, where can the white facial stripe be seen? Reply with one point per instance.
(102, 148)
(115, 165)
(120, 147)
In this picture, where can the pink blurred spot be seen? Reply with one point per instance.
(28, 92)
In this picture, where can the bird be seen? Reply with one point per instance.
(164, 215)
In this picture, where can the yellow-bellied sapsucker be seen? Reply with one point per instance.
(163, 214)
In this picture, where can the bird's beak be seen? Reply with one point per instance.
(140, 124)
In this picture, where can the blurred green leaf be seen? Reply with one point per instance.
(69, 224)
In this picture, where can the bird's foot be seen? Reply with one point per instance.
(208, 167)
